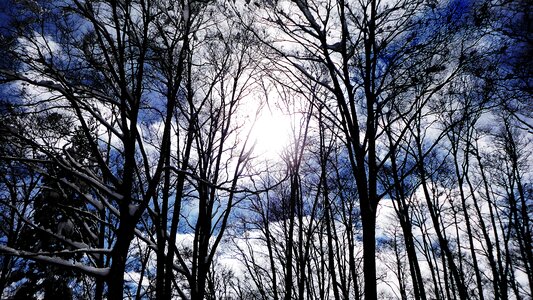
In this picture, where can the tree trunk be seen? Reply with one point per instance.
(290, 235)
(368, 217)
(463, 294)
(460, 180)
(119, 256)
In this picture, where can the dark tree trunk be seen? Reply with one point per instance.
(461, 288)
(460, 179)
(290, 236)
(368, 217)
(115, 280)
(100, 262)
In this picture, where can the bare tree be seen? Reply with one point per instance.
(126, 149)
(119, 70)
(367, 55)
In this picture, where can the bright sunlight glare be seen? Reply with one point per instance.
(271, 134)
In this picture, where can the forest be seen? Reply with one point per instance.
(266, 149)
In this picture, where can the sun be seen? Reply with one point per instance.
(271, 134)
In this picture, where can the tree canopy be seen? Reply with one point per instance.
(135, 162)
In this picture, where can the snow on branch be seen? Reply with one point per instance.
(46, 257)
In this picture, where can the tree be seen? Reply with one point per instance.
(367, 55)
(126, 155)
(119, 70)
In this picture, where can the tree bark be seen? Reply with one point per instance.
(119, 255)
